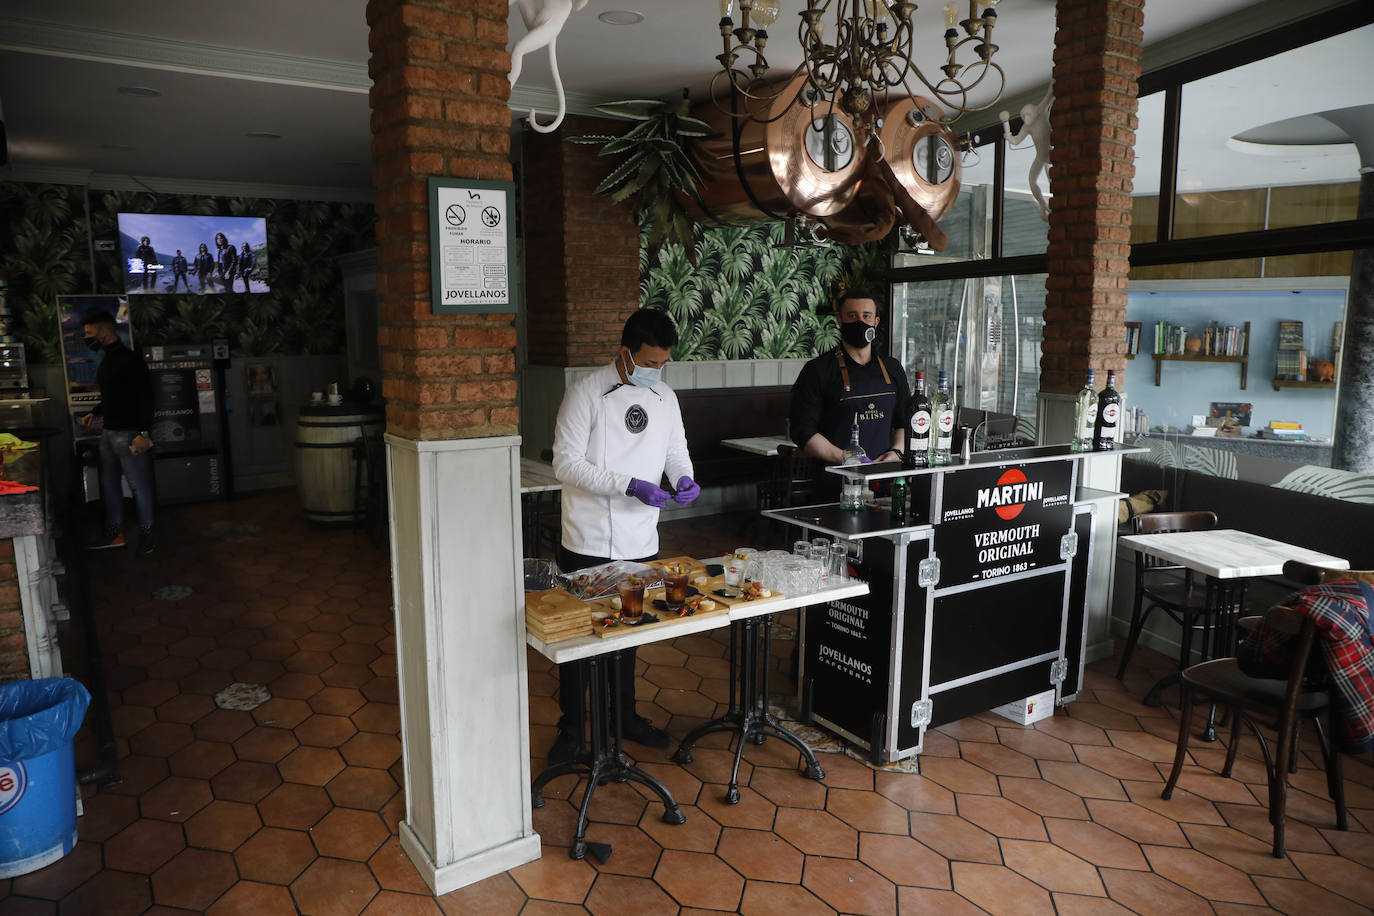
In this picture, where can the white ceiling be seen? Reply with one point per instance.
(299, 68)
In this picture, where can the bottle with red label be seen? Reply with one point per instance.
(942, 421)
(918, 427)
(1108, 425)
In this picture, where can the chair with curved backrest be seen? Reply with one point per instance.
(1303, 694)
(1159, 585)
(792, 480)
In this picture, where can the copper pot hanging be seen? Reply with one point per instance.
(805, 158)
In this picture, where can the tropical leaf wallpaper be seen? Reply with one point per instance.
(738, 295)
(44, 251)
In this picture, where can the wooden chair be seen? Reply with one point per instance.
(1159, 585)
(792, 483)
(1289, 701)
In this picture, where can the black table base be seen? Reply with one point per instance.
(1218, 641)
(605, 760)
(748, 713)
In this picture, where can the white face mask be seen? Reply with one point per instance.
(643, 376)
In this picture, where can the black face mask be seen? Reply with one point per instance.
(858, 334)
(93, 344)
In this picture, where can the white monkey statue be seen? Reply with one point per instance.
(1035, 123)
(544, 19)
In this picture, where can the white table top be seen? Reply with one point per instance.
(757, 445)
(1224, 553)
(537, 477)
(568, 650)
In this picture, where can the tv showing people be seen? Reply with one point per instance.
(167, 253)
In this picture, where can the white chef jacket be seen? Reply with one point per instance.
(607, 434)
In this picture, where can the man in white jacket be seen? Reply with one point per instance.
(619, 431)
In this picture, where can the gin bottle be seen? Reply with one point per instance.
(942, 421)
(1085, 415)
(852, 490)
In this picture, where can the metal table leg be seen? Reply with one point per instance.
(751, 718)
(605, 759)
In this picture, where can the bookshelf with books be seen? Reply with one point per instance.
(1216, 344)
(1132, 339)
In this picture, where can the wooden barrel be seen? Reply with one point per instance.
(327, 460)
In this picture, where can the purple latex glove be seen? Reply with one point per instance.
(649, 494)
(687, 490)
(865, 460)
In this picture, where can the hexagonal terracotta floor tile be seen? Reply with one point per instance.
(324, 730)
(282, 712)
(370, 749)
(867, 811)
(378, 717)
(699, 880)
(553, 876)
(1149, 894)
(1001, 817)
(902, 860)
(1290, 896)
(998, 889)
(245, 781)
(175, 798)
(999, 759)
(699, 833)
(760, 855)
(1096, 844)
(361, 787)
(194, 879)
(850, 886)
(752, 810)
(274, 855)
(817, 833)
(247, 897)
(1081, 780)
(144, 846)
(201, 759)
(334, 887)
(1052, 868)
(959, 775)
(110, 893)
(312, 766)
(222, 825)
(955, 838)
(1137, 823)
(347, 834)
(394, 871)
(265, 744)
(294, 806)
(337, 701)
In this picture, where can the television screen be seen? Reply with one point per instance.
(200, 255)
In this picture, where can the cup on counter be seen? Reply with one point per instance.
(335, 400)
(317, 397)
(631, 598)
(838, 570)
(333, 390)
(801, 548)
(674, 588)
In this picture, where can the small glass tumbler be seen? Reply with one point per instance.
(631, 598)
(801, 548)
(839, 563)
(674, 589)
(820, 559)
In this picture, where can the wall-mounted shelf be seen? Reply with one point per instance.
(1289, 383)
(1160, 358)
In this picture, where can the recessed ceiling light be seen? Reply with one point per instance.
(263, 135)
(621, 17)
(142, 92)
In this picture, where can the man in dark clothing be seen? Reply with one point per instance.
(147, 256)
(227, 261)
(179, 272)
(205, 266)
(246, 261)
(126, 406)
(851, 380)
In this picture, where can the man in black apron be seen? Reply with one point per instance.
(852, 380)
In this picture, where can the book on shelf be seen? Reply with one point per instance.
(1290, 335)
(1291, 365)
(1132, 338)
(1284, 424)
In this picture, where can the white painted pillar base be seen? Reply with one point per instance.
(457, 584)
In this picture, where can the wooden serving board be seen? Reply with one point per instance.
(554, 614)
(665, 618)
(716, 582)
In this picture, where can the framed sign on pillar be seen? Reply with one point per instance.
(472, 246)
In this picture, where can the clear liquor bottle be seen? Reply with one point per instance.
(1085, 415)
(851, 491)
(1107, 428)
(942, 422)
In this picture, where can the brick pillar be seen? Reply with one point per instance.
(438, 109)
(586, 248)
(1092, 128)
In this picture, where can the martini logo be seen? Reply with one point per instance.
(1110, 413)
(947, 423)
(14, 779)
(920, 423)
(1010, 495)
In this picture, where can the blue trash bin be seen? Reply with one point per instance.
(38, 720)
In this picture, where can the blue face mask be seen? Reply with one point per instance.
(643, 376)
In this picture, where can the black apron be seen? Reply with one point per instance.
(873, 399)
